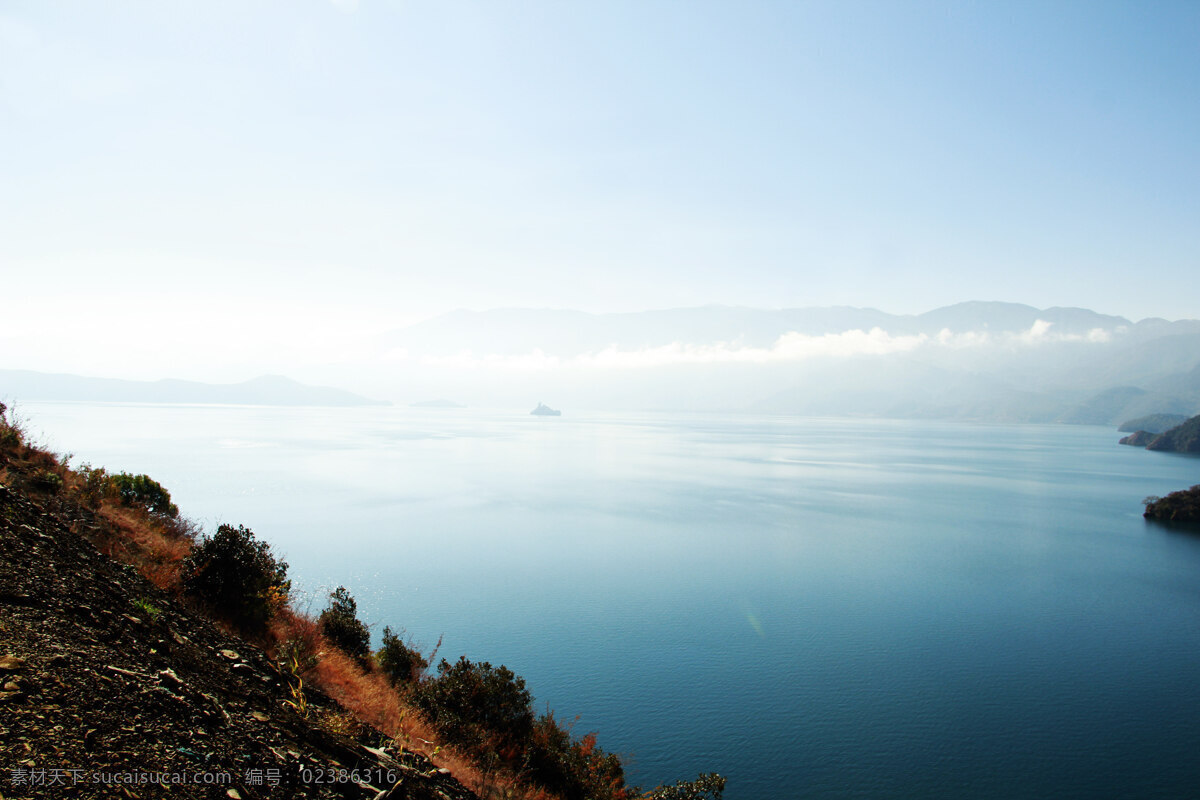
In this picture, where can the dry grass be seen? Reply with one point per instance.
(371, 698)
(155, 548)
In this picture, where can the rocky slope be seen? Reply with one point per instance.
(109, 687)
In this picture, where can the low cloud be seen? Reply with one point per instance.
(790, 347)
(1040, 333)
(528, 362)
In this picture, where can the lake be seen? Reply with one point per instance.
(814, 608)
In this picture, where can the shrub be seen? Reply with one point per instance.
(147, 609)
(237, 576)
(476, 703)
(342, 627)
(180, 528)
(10, 438)
(399, 661)
(573, 770)
(295, 654)
(144, 491)
(11, 434)
(300, 640)
(46, 481)
(95, 485)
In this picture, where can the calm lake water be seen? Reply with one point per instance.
(814, 608)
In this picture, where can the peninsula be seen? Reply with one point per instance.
(1181, 506)
(1183, 438)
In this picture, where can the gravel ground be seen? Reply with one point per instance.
(110, 688)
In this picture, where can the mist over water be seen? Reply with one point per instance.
(812, 607)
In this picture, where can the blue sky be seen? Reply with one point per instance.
(266, 178)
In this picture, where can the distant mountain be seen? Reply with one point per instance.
(1185, 385)
(1152, 423)
(268, 390)
(567, 333)
(1111, 406)
(989, 361)
(1014, 317)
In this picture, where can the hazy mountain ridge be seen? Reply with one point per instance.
(987, 361)
(975, 360)
(1152, 424)
(568, 333)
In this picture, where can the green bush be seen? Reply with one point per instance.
(488, 711)
(144, 491)
(475, 703)
(400, 662)
(237, 576)
(342, 627)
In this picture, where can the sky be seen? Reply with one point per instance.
(214, 189)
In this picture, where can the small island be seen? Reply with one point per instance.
(1181, 506)
(544, 410)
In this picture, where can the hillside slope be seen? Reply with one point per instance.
(1183, 438)
(108, 683)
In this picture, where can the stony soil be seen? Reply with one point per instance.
(109, 686)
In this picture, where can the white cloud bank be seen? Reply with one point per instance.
(790, 347)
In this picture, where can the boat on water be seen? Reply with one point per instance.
(544, 410)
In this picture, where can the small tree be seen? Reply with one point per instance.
(572, 770)
(237, 576)
(144, 491)
(342, 627)
(400, 662)
(471, 703)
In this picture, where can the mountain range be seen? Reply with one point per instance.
(976, 360)
(987, 361)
